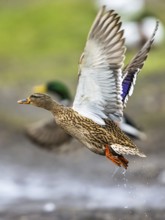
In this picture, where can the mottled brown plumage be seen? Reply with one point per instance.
(91, 134)
(49, 136)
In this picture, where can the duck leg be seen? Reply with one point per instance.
(119, 160)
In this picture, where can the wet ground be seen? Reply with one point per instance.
(74, 183)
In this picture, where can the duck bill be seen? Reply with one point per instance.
(24, 101)
(39, 89)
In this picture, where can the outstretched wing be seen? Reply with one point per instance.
(99, 88)
(133, 68)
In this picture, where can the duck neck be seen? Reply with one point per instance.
(56, 107)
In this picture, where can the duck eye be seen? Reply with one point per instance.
(36, 96)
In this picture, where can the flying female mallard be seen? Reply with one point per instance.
(102, 92)
(48, 135)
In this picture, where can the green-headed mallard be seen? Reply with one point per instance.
(56, 88)
(102, 91)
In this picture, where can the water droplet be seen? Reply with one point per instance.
(115, 171)
(124, 171)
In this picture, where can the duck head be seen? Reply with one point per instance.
(39, 100)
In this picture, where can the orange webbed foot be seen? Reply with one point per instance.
(119, 160)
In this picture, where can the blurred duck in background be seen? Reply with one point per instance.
(137, 21)
(48, 135)
(140, 28)
(126, 8)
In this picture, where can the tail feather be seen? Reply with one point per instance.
(140, 154)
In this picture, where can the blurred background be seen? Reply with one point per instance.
(40, 41)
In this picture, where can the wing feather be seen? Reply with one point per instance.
(134, 67)
(99, 87)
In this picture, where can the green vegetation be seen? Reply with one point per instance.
(42, 40)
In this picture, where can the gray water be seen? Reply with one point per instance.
(61, 189)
